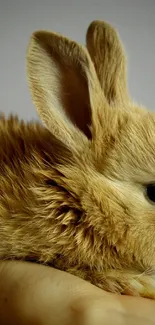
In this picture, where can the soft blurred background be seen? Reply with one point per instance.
(135, 20)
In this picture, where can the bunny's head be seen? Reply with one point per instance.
(82, 98)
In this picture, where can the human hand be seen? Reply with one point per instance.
(39, 295)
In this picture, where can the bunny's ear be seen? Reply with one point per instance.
(107, 53)
(64, 85)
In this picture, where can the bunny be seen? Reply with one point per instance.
(77, 191)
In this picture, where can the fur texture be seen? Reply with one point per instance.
(73, 192)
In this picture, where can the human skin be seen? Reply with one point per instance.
(39, 295)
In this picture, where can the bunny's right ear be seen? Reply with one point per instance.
(109, 59)
(64, 86)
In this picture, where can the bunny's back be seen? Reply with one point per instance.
(30, 195)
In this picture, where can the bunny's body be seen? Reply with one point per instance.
(74, 194)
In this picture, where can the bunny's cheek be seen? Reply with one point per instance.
(140, 242)
(136, 233)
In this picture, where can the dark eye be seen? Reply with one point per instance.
(150, 191)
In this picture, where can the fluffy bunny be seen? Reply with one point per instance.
(78, 193)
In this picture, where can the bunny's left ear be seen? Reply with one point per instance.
(107, 53)
(65, 88)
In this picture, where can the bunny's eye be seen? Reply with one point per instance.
(150, 191)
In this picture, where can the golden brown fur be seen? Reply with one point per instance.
(72, 193)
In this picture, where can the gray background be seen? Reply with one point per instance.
(135, 20)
